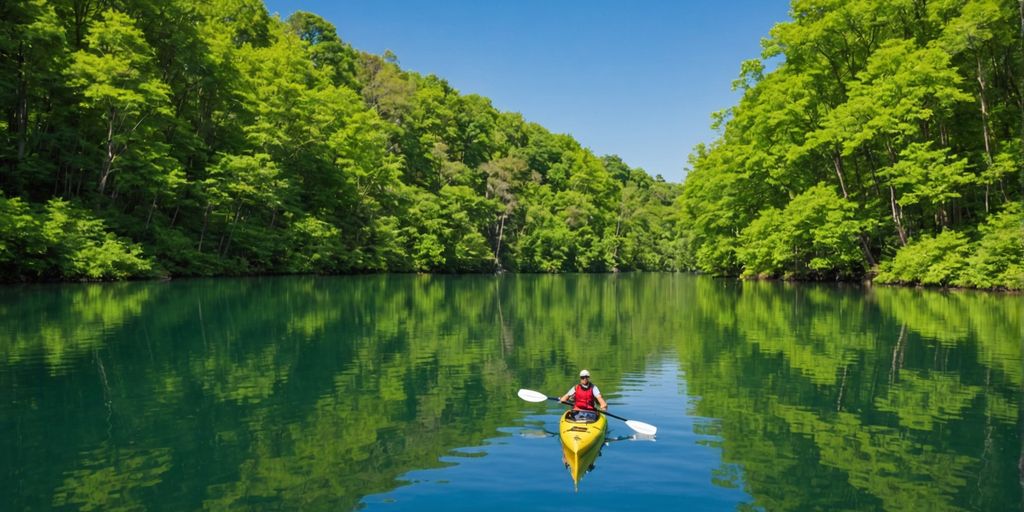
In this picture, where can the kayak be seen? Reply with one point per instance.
(586, 431)
(582, 437)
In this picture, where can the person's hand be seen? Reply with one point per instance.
(604, 407)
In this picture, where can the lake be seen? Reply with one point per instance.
(398, 392)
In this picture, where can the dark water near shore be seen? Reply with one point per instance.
(397, 392)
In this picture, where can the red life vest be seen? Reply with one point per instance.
(584, 398)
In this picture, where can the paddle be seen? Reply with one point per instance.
(644, 428)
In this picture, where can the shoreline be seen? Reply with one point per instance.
(863, 283)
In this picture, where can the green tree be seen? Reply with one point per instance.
(817, 232)
(326, 49)
(31, 51)
(929, 260)
(997, 260)
(118, 81)
(906, 110)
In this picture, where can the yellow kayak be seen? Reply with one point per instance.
(582, 437)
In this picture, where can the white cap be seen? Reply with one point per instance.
(584, 373)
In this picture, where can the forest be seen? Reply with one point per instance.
(886, 141)
(874, 139)
(152, 138)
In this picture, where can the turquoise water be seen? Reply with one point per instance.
(397, 392)
(523, 471)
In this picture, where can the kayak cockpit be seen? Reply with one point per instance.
(582, 416)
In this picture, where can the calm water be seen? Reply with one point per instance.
(397, 392)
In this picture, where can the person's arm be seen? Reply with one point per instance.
(600, 399)
(565, 398)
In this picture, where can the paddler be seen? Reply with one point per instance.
(584, 395)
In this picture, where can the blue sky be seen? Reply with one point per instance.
(639, 79)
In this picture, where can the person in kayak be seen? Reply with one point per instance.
(584, 395)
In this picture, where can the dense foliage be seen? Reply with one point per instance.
(150, 137)
(888, 131)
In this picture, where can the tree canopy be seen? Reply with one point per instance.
(174, 138)
(873, 138)
(885, 132)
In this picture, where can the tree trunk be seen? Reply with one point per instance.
(865, 247)
(152, 207)
(837, 162)
(202, 233)
(108, 161)
(897, 216)
(984, 110)
(81, 10)
(1021, 105)
(897, 212)
(859, 177)
(231, 232)
(501, 233)
(21, 110)
(22, 125)
(984, 120)
(874, 174)
(615, 249)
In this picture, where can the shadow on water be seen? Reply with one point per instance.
(314, 392)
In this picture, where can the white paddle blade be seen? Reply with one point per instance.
(641, 427)
(532, 396)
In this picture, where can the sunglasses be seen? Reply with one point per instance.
(585, 377)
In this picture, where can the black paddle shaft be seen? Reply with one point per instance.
(606, 413)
